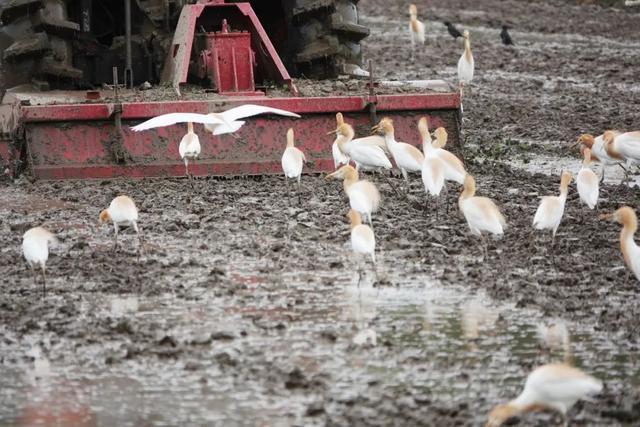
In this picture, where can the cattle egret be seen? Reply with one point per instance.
(555, 386)
(432, 166)
(123, 213)
(216, 123)
(407, 157)
(35, 248)
(292, 161)
(339, 158)
(189, 147)
(364, 197)
(481, 213)
(598, 151)
(624, 145)
(587, 182)
(363, 241)
(368, 156)
(555, 336)
(630, 251)
(551, 209)
(454, 168)
(465, 63)
(416, 29)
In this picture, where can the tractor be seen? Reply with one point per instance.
(73, 75)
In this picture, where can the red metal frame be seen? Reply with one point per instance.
(75, 141)
(176, 67)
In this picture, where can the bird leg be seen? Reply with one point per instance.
(140, 240)
(299, 197)
(393, 187)
(115, 237)
(552, 251)
(44, 282)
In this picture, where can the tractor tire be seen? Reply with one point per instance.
(36, 44)
(326, 38)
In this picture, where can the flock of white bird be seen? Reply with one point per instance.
(552, 386)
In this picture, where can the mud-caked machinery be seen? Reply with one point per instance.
(75, 74)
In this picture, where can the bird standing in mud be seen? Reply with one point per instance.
(292, 161)
(630, 250)
(35, 249)
(339, 158)
(122, 212)
(365, 155)
(416, 29)
(598, 151)
(453, 31)
(504, 35)
(216, 123)
(465, 63)
(364, 197)
(551, 209)
(554, 387)
(481, 213)
(407, 157)
(432, 166)
(189, 147)
(587, 182)
(363, 241)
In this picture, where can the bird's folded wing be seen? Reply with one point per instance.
(173, 118)
(249, 110)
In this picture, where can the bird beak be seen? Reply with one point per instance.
(332, 132)
(375, 129)
(329, 177)
(605, 216)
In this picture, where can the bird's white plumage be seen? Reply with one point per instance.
(417, 33)
(598, 149)
(633, 252)
(588, 187)
(403, 157)
(363, 240)
(482, 215)
(339, 158)
(123, 211)
(432, 175)
(292, 162)
(466, 65)
(364, 198)
(189, 147)
(217, 123)
(557, 386)
(35, 246)
(173, 118)
(367, 156)
(453, 168)
(549, 213)
(628, 146)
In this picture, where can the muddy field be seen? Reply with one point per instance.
(243, 307)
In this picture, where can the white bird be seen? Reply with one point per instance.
(189, 147)
(555, 336)
(292, 161)
(363, 240)
(339, 158)
(481, 213)
(432, 166)
(630, 250)
(454, 168)
(465, 63)
(367, 156)
(35, 248)
(416, 29)
(598, 151)
(587, 182)
(555, 386)
(364, 197)
(407, 157)
(551, 208)
(216, 123)
(123, 213)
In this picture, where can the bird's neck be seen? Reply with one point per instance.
(390, 138)
(611, 151)
(350, 178)
(467, 192)
(467, 50)
(190, 127)
(626, 238)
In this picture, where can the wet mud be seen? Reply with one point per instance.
(243, 307)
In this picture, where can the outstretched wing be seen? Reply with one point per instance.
(250, 110)
(173, 118)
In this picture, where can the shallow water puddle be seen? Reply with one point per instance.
(315, 340)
